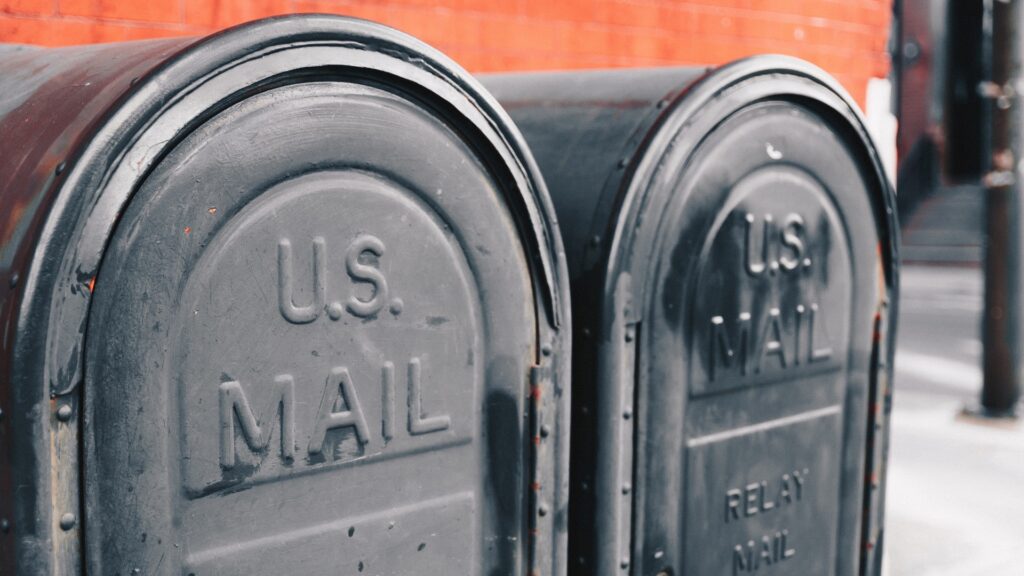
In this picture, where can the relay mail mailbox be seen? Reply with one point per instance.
(732, 250)
(286, 300)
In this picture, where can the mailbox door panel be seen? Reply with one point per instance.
(308, 349)
(762, 300)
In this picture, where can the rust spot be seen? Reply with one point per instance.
(535, 392)
(1002, 160)
(535, 486)
(212, 210)
(536, 440)
(188, 230)
(91, 285)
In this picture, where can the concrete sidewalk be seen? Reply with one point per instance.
(955, 503)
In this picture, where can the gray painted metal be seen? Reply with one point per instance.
(288, 299)
(732, 248)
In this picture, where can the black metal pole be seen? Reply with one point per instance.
(1001, 321)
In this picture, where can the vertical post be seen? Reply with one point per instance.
(966, 120)
(1001, 320)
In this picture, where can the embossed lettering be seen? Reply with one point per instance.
(799, 478)
(797, 330)
(285, 291)
(816, 353)
(340, 407)
(792, 240)
(766, 504)
(757, 268)
(234, 403)
(339, 387)
(721, 347)
(771, 549)
(418, 424)
(758, 255)
(361, 271)
(784, 494)
(751, 495)
(387, 399)
(366, 244)
(781, 334)
(742, 558)
(772, 342)
(732, 504)
(757, 497)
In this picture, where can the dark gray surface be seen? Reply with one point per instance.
(317, 287)
(653, 175)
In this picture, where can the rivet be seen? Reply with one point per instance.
(624, 563)
(545, 431)
(623, 162)
(14, 280)
(629, 334)
(67, 521)
(595, 241)
(626, 488)
(546, 350)
(60, 167)
(627, 413)
(5, 526)
(64, 413)
(396, 306)
(542, 510)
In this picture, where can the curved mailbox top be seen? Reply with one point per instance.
(287, 299)
(733, 252)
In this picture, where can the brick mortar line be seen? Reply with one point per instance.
(73, 18)
(726, 11)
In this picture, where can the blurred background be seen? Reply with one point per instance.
(947, 70)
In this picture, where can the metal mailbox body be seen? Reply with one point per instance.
(287, 299)
(732, 250)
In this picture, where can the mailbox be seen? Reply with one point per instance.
(289, 299)
(732, 251)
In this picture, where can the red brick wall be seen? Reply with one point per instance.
(846, 37)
